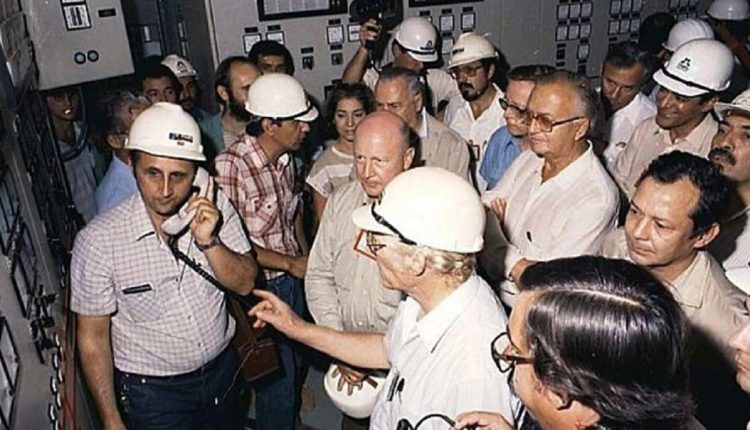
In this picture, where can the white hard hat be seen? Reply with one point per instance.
(279, 96)
(685, 31)
(179, 66)
(697, 67)
(470, 47)
(166, 130)
(729, 10)
(740, 277)
(361, 402)
(419, 38)
(429, 206)
(740, 103)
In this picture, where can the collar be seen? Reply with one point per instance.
(258, 156)
(424, 130)
(690, 286)
(632, 110)
(695, 136)
(491, 109)
(579, 167)
(120, 166)
(433, 326)
(140, 223)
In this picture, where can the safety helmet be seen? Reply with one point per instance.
(685, 31)
(279, 96)
(429, 206)
(470, 47)
(740, 103)
(729, 10)
(419, 38)
(361, 402)
(179, 66)
(164, 129)
(697, 67)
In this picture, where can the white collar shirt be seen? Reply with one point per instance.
(731, 247)
(441, 362)
(622, 124)
(566, 216)
(475, 131)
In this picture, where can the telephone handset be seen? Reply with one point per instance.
(178, 222)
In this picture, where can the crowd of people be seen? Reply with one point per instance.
(511, 247)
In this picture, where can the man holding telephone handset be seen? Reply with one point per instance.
(153, 334)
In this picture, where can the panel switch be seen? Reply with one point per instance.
(308, 63)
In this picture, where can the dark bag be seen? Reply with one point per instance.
(256, 351)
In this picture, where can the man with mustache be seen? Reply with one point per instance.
(731, 153)
(674, 215)
(233, 78)
(477, 113)
(690, 85)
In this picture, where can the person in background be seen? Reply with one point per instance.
(271, 57)
(64, 108)
(674, 215)
(347, 105)
(414, 47)
(121, 108)
(730, 20)
(593, 343)
(654, 31)
(190, 91)
(625, 71)
(158, 83)
(476, 113)
(507, 142)
(233, 79)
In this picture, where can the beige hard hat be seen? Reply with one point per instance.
(179, 66)
(419, 38)
(166, 130)
(470, 47)
(279, 96)
(685, 31)
(697, 67)
(729, 10)
(740, 103)
(428, 206)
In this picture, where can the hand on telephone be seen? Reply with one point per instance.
(199, 213)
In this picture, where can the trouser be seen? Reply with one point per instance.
(277, 402)
(349, 423)
(207, 398)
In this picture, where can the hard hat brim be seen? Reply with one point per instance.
(722, 108)
(452, 64)
(363, 219)
(424, 58)
(309, 116)
(676, 86)
(179, 154)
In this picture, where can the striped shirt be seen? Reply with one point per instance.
(332, 170)
(264, 193)
(166, 319)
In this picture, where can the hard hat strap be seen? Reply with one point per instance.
(686, 82)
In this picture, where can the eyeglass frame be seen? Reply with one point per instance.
(530, 116)
(382, 221)
(456, 71)
(511, 359)
(507, 105)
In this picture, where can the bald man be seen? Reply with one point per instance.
(342, 284)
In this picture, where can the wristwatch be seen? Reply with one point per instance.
(203, 248)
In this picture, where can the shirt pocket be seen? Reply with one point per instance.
(265, 214)
(141, 303)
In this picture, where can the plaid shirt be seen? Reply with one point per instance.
(166, 319)
(264, 194)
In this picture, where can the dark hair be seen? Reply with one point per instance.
(704, 175)
(415, 84)
(607, 334)
(271, 47)
(529, 72)
(654, 31)
(343, 91)
(150, 70)
(628, 54)
(586, 95)
(223, 77)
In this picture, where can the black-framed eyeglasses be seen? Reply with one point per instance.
(382, 221)
(465, 70)
(545, 124)
(510, 107)
(506, 362)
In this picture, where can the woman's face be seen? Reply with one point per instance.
(349, 112)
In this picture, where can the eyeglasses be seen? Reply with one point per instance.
(380, 220)
(511, 108)
(372, 245)
(545, 124)
(506, 362)
(466, 71)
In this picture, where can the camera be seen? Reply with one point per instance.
(385, 12)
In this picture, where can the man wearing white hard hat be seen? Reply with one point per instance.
(477, 112)
(342, 284)
(257, 172)
(436, 345)
(153, 334)
(730, 20)
(690, 85)
(190, 94)
(674, 215)
(414, 46)
(730, 151)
